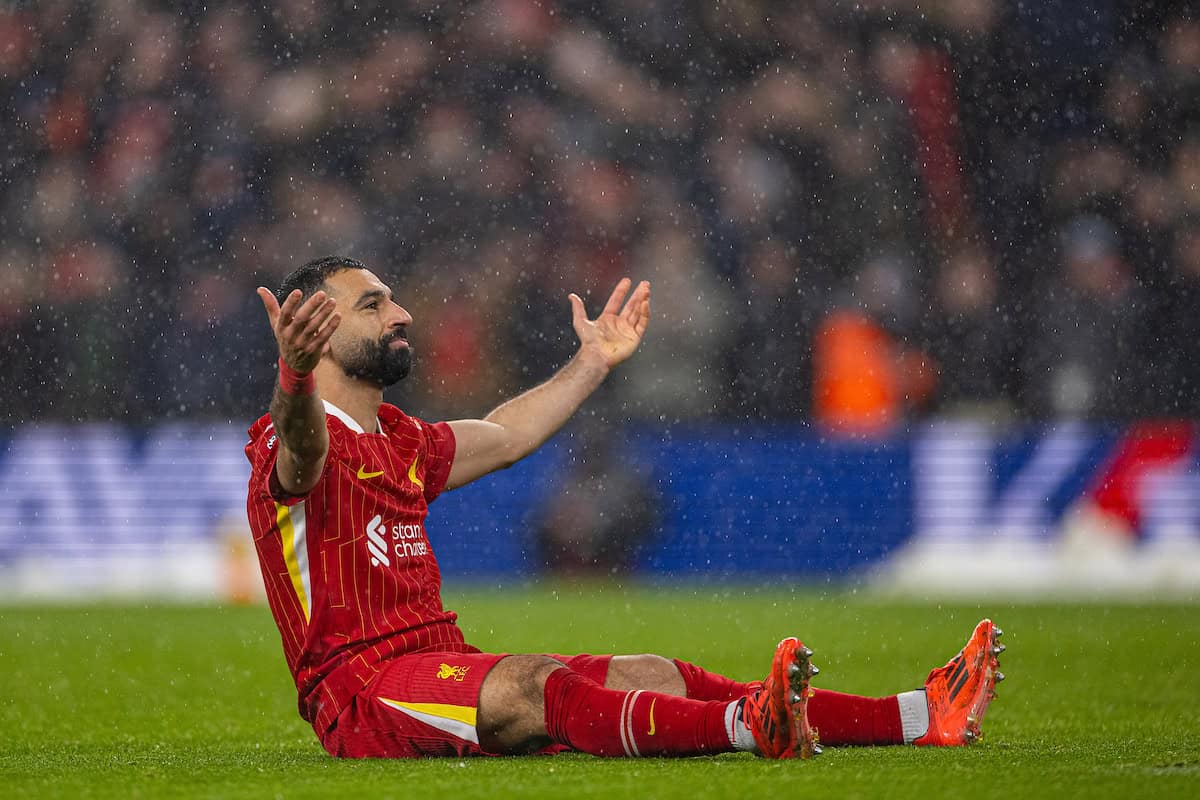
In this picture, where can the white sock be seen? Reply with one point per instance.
(914, 714)
(740, 735)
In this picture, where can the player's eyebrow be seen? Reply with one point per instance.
(373, 294)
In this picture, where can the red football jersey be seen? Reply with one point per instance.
(351, 578)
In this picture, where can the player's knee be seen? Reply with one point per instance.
(512, 702)
(517, 680)
(532, 672)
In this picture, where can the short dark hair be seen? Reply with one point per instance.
(310, 277)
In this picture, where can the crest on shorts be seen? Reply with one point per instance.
(446, 672)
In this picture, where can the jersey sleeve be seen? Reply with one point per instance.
(263, 450)
(439, 444)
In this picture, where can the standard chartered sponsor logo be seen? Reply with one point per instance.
(407, 541)
(376, 544)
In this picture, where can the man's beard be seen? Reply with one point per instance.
(378, 362)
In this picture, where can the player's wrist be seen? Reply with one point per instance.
(593, 356)
(294, 382)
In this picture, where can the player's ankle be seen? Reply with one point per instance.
(740, 735)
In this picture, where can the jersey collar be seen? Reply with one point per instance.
(348, 420)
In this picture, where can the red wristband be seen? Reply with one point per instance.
(293, 382)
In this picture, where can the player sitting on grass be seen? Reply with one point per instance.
(340, 487)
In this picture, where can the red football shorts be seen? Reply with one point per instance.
(426, 704)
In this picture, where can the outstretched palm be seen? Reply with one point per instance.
(618, 330)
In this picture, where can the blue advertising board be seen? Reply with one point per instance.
(97, 509)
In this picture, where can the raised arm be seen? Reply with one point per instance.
(302, 330)
(521, 425)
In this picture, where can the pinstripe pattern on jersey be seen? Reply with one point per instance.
(339, 615)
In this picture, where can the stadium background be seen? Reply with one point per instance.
(926, 278)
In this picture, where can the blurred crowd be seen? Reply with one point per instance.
(852, 213)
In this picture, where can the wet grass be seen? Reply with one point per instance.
(170, 701)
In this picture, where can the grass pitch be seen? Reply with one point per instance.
(127, 702)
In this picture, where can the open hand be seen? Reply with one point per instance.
(302, 330)
(616, 333)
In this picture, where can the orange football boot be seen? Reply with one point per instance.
(777, 713)
(958, 693)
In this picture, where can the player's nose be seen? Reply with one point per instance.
(400, 318)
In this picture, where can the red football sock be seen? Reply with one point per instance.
(703, 685)
(604, 722)
(847, 719)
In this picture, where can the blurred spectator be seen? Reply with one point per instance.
(605, 513)
(866, 375)
(772, 328)
(1085, 347)
(1172, 351)
(211, 334)
(679, 370)
(970, 338)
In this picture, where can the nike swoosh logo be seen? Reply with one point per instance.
(652, 702)
(362, 473)
(412, 473)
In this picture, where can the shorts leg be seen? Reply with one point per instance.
(419, 705)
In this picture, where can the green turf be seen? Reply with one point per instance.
(196, 702)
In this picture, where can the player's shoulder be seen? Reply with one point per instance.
(258, 427)
(262, 440)
(406, 431)
(392, 417)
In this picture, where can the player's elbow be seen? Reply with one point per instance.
(515, 449)
(503, 458)
(508, 449)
